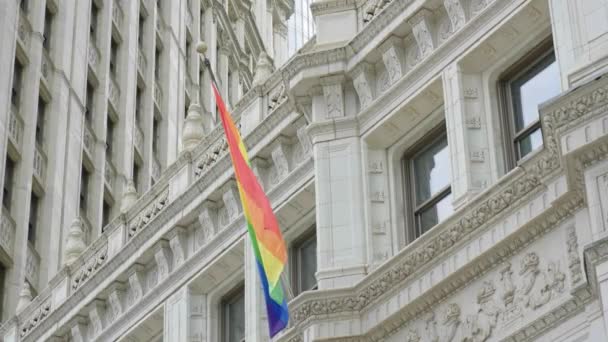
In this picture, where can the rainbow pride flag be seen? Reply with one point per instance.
(266, 238)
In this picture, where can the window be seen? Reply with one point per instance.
(24, 5)
(113, 56)
(105, 215)
(94, 18)
(33, 222)
(157, 64)
(531, 82)
(17, 81)
(136, 180)
(304, 263)
(138, 104)
(233, 316)
(155, 136)
(48, 24)
(429, 187)
(140, 37)
(7, 190)
(88, 110)
(40, 121)
(84, 188)
(110, 137)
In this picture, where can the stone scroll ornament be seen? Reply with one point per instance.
(266, 238)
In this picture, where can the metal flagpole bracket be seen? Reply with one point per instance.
(201, 48)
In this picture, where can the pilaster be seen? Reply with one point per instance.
(256, 320)
(467, 134)
(177, 317)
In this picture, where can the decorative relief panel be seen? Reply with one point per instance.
(34, 319)
(363, 81)
(421, 29)
(218, 149)
(90, 267)
(393, 58)
(379, 207)
(334, 97)
(455, 13)
(280, 157)
(501, 301)
(149, 213)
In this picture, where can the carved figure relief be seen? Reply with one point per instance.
(574, 260)
(333, 100)
(478, 5)
(451, 322)
(393, 64)
(430, 328)
(445, 29)
(456, 13)
(423, 38)
(363, 90)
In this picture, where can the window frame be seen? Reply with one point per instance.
(532, 62)
(306, 238)
(230, 297)
(413, 210)
(8, 184)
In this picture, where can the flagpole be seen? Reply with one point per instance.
(201, 48)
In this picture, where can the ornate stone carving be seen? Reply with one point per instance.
(231, 201)
(75, 243)
(455, 13)
(304, 140)
(149, 213)
(279, 157)
(177, 241)
(263, 69)
(538, 287)
(214, 153)
(115, 299)
(208, 219)
(79, 330)
(90, 267)
(363, 77)
(162, 257)
(477, 6)
(334, 98)
(25, 297)
(393, 58)
(451, 322)
(511, 310)
(136, 284)
(277, 97)
(35, 318)
(430, 328)
(421, 30)
(574, 260)
(96, 317)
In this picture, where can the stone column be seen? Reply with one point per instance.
(177, 317)
(341, 236)
(467, 134)
(256, 320)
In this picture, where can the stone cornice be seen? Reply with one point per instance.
(332, 6)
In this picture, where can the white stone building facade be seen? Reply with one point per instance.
(439, 169)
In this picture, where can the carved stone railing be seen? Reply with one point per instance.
(46, 66)
(39, 164)
(117, 15)
(114, 93)
(93, 55)
(32, 265)
(24, 29)
(138, 138)
(15, 127)
(141, 62)
(88, 140)
(158, 95)
(155, 168)
(7, 232)
(109, 173)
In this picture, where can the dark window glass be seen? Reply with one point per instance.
(105, 217)
(430, 179)
(88, 110)
(140, 37)
(233, 318)
(24, 5)
(157, 64)
(155, 136)
(84, 188)
(113, 56)
(48, 24)
(33, 222)
(17, 80)
(536, 85)
(136, 176)
(40, 121)
(110, 137)
(305, 264)
(94, 18)
(9, 173)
